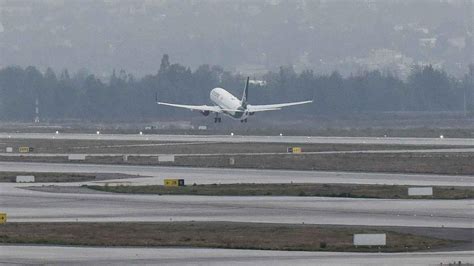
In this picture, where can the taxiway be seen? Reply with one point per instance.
(247, 139)
(24, 205)
(54, 255)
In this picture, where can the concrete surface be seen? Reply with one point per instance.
(222, 175)
(57, 255)
(24, 205)
(27, 205)
(253, 139)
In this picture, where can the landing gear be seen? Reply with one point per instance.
(217, 119)
(243, 120)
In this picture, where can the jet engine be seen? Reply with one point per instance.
(205, 113)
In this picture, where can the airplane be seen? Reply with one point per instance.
(228, 104)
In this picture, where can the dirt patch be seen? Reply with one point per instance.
(65, 189)
(315, 190)
(41, 177)
(215, 235)
(433, 163)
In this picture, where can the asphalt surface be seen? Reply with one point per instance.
(453, 150)
(53, 255)
(24, 205)
(156, 174)
(252, 139)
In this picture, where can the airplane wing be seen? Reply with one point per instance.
(272, 107)
(215, 108)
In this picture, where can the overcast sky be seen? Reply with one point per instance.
(243, 36)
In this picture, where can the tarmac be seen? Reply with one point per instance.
(154, 175)
(247, 139)
(58, 255)
(26, 205)
(23, 205)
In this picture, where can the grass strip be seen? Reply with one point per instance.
(295, 189)
(213, 235)
(433, 163)
(58, 177)
(421, 163)
(48, 177)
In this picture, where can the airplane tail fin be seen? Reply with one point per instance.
(246, 93)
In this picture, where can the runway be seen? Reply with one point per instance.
(155, 175)
(54, 255)
(193, 256)
(248, 139)
(24, 205)
(33, 206)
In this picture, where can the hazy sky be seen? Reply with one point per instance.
(244, 36)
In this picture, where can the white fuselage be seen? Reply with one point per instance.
(228, 102)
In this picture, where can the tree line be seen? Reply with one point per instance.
(122, 97)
